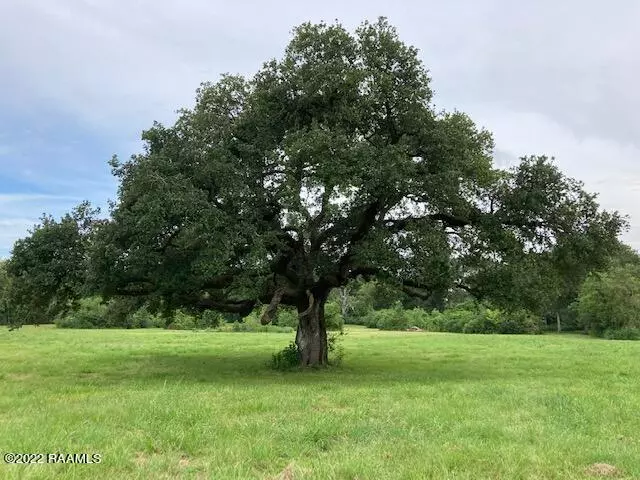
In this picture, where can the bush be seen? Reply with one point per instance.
(120, 310)
(622, 334)
(209, 319)
(117, 313)
(418, 317)
(287, 358)
(610, 301)
(454, 320)
(333, 318)
(520, 321)
(470, 318)
(485, 322)
(336, 350)
(73, 321)
(142, 318)
(397, 318)
(91, 313)
(287, 317)
(286, 321)
(242, 327)
(182, 321)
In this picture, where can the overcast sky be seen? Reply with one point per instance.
(80, 79)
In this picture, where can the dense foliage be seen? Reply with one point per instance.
(609, 302)
(48, 269)
(470, 318)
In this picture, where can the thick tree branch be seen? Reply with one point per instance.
(447, 219)
(455, 221)
(132, 290)
(243, 307)
(365, 271)
(281, 267)
(218, 282)
(472, 291)
(367, 220)
(316, 221)
(414, 289)
(168, 240)
(310, 307)
(270, 311)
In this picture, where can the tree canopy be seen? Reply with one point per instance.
(329, 164)
(48, 269)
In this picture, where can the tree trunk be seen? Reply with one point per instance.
(559, 325)
(311, 337)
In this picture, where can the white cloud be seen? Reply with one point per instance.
(10, 231)
(20, 212)
(606, 167)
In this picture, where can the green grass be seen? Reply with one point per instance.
(183, 404)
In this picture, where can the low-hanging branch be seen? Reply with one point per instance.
(269, 313)
(242, 307)
(310, 307)
(413, 290)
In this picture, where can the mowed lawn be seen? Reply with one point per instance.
(183, 404)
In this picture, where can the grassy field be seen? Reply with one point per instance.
(183, 404)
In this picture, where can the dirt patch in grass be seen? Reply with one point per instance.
(289, 473)
(141, 459)
(602, 470)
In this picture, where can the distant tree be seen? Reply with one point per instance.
(610, 300)
(623, 255)
(541, 266)
(329, 164)
(48, 269)
(574, 261)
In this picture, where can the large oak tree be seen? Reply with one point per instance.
(328, 164)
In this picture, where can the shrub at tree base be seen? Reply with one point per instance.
(336, 350)
(288, 317)
(289, 357)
